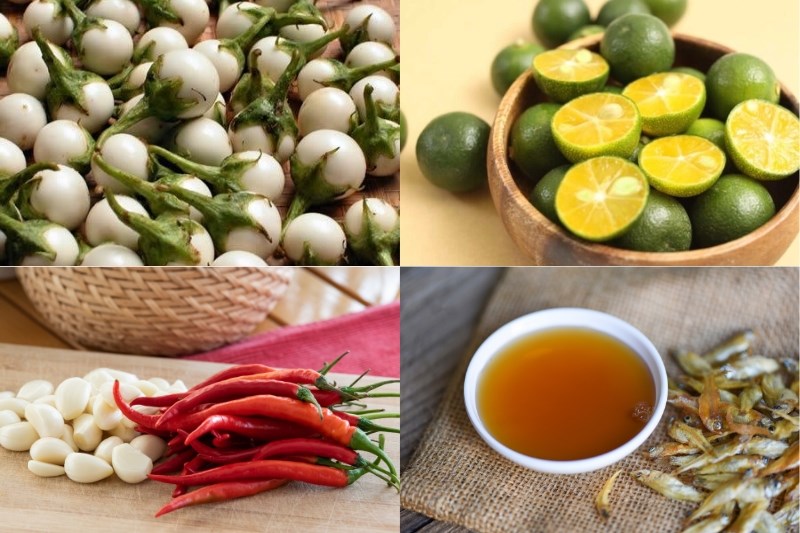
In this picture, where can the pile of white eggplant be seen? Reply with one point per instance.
(130, 137)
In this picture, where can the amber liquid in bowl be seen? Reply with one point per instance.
(565, 394)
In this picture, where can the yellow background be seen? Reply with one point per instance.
(449, 48)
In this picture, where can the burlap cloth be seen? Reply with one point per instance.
(455, 477)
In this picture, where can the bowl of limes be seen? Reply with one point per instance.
(641, 147)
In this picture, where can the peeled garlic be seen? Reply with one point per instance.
(150, 445)
(72, 396)
(86, 468)
(18, 437)
(14, 404)
(35, 389)
(67, 437)
(45, 469)
(86, 433)
(104, 449)
(8, 417)
(130, 465)
(50, 450)
(105, 416)
(46, 419)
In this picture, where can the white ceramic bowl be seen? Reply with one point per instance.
(557, 318)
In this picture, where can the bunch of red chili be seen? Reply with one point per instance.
(253, 428)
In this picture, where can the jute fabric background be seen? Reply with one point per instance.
(455, 477)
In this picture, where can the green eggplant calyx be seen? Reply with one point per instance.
(376, 136)
(373, 243)
(26, 238)
(159, 202)
(164, 240)
(158, 11)
(11, 184)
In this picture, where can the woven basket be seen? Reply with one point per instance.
(154, 311)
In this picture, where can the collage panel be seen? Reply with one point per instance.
(199, 132)
(215, 399)
(586, 399)
(517, 106)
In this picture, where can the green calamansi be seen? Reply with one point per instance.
(637, 45)
(614, 9)
(733, 207)
(555, 20)
(451, 151)
(532, 146)
(511, 62)
(737, 77)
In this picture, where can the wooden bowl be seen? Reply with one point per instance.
(547, 243)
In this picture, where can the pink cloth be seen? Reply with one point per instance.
(371, 336)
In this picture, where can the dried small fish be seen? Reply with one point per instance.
(733, 464)
(749, 397)
(737, 422)
(684, 402)
(776, 395)
(692, 363)
(712, 524)
(712, 482)
(748, 517)
(736, 345)
(722, 451)
(699, 386)
(780, 414)
(758, 490)
(783, 429)
(725, 493)
(689, 435)
(767, 524)
(788, 515)
(668, 485)
(708, 405)
(668, 449)
(763, 446)
(749, 367)
(789, 460)
(601, 502)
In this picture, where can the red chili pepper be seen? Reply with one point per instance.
(238, 388)
(234, 372)
(217, 456)
(221, 492)
(269, 469)
(303, 376)
(175, 462)
(146, 421)
(314, 447)
(329, 425)
(256, 428)
(164, 400)
(191, 467)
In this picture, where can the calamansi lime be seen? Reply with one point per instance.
(682, 165)
(637, 45)
(597, 124)
(566, 74)
(763, 140)
(737, 77)
(669, 102)
(601, 198)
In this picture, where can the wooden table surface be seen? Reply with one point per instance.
(335, 290)
(440, 310)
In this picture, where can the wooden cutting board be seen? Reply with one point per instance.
(30, 503)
